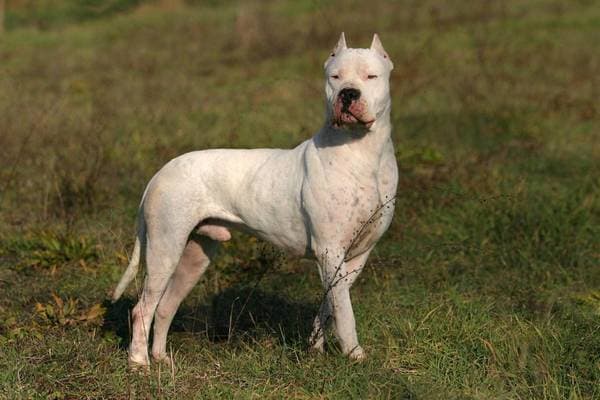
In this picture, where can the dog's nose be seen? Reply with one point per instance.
(348, 95)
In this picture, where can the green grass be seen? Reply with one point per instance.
(486, 286)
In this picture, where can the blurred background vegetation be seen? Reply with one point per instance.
(487, 284)
(51, 14)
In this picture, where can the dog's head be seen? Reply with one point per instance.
(357, 85)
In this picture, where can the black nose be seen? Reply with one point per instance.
(348, 95)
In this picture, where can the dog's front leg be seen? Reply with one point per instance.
(353, 268)
(323, 318)
(337, 277)
(320, 325)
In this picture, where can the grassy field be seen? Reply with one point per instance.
(486, 286)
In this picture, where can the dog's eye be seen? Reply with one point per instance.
(335, 77)
(371, 76)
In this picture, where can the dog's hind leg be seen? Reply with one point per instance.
(196, 257)
(162, 254)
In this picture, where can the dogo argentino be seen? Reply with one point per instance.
(317, 200)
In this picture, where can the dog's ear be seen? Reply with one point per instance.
(341, 45)
(378, 47)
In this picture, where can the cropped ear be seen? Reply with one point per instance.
(378, 47)
(341, 45)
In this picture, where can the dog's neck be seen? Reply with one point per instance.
(369, 144)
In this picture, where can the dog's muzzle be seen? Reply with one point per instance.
(350, 109)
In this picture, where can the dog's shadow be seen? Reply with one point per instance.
(236, 313)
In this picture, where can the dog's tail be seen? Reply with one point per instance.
(134, 263)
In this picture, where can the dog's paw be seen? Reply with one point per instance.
(164, 359)
(316, 348)
(357, 354)
(316, 345)
(139, 367)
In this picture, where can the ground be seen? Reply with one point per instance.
(486, 286)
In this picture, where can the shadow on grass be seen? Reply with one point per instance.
(238, 312)
(244, 312)
(116, 319)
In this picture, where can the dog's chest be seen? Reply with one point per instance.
(367, 219)
(348, 194)
(359, 208)
(368, 229)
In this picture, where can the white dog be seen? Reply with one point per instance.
(329, 199)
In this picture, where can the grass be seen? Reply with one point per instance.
(486, 286)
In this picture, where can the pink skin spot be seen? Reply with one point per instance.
(215, 232)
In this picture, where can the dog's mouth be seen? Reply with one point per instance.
(349, 118)
(352, 115)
